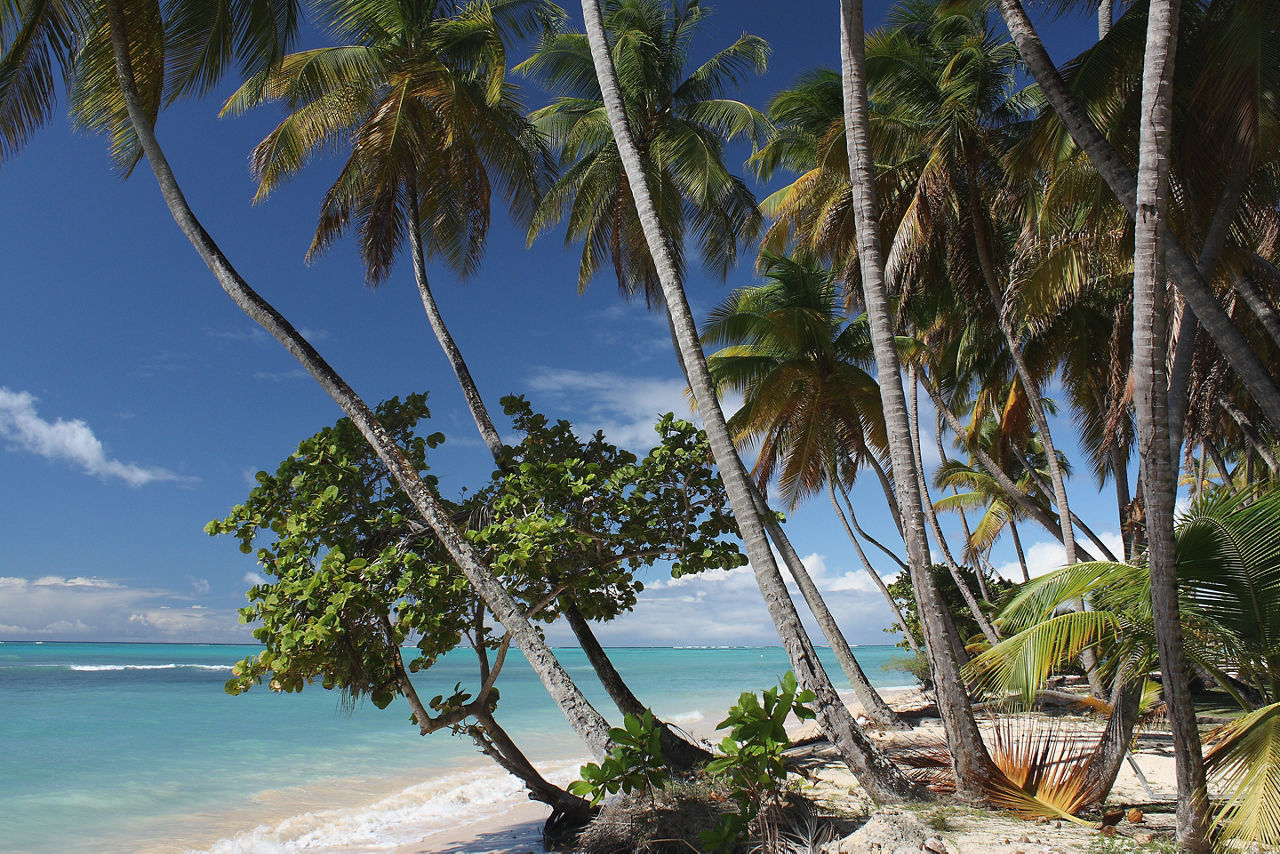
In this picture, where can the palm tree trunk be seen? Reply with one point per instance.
(881, 779)
(584, 719)
(1017, 546)
(1218, 462)
(1200, 298)
(1215, 240)
(472, 394)
(873, 705)
(1250, 433)
(1150, 343)
(969, 755)
(1032, 509)
(1035, 402)
(964, 519)
(1120, 478)
(1106, 12)
(886, 486)
(1247, 288)
(913, 423)
(1113, 746)
(875, 576)
(1075, 520)
(853, 519)
(679, 752)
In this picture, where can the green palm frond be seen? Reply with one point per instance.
(1244, 760)
(37, 40)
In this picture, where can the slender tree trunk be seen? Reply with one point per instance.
(1076, 521)
(1031, 508)
(1035, 402)
(875, 576)
(1200, 298)
(680, 753)
(568, 811)
(969, 755)
(1250, 433)
(1113, 747)
(853, 518)
(1215, 240)
(1017, 546)
(913, 423)
(1150, 343)
(1105, 14)
(886, 486)
(1219, 463)
(1247, 288)
(584, 719)
(964, 519)
(472, 394)
(873, 705)
(881, 779)
(1120, 478)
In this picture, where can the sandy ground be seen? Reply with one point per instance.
(518, 831)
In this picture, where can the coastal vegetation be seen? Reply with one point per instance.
(960, 216)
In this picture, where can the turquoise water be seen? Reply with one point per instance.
(136, 747)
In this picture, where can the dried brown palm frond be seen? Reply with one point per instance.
(929, 765)
(1041, 770)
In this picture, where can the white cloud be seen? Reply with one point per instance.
(75, 608)
(1046, 556)
(254, 579)
(725, 607)
(66, 441)
(625, 408)
(199, 585)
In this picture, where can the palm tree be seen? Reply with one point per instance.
(418, 98)
(1228, 568)
(420, 101)
(807, 402)
(969, 757)
(874, 771)
(681, 121)
(117, 82)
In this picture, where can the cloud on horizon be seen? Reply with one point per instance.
(90, 608)
(73, 442)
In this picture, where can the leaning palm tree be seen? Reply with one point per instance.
(419, 100)
(970, 760)
(874, 771)
(417, 95)
(808, 403)
(121, 57)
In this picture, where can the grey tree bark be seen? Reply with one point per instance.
(881, 779)
(1150, 344)
(584, 719)
(969, 755)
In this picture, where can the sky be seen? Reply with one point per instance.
(137, 402)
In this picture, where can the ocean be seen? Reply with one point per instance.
(137, 748)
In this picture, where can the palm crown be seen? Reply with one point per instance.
(681, 122)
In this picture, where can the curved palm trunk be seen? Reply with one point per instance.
(584, 719)
(1200, 298)
(873, 705)
(969, 755)
(943, 458)
(1247, 288)
(881, 779)
(1075, 520)
(887, 488)
(875, 576)
(680, 753)
(853, 519)
(1250, 433)
(1035, 402)
(472, 394)
(913, 421)
(1033, 510)
(1113, 747)
(1219, 463)
(569, 812)
(1150, 344)
(1017, 546)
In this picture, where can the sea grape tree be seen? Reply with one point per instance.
(359, 596)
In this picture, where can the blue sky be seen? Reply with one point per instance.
(136, 401)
